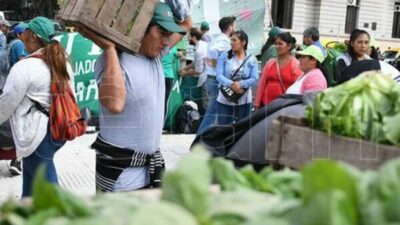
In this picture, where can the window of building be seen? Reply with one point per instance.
(282, 13)
(351, 16)
(396, 21)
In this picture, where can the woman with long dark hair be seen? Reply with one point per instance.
(28, 82)
(280, 73)
(238, 71)
(357, 50)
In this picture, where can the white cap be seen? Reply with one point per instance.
(5, 23)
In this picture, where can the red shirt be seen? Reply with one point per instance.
(269, 87)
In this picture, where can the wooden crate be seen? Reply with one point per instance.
(293, 144)
(121, 21)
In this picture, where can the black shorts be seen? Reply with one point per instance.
(6, 139)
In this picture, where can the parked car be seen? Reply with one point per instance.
(392, 57)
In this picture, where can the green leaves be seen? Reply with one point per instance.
(227, 176)
(366, 107)
(47, 196)
(330, 194)
(188, 185)
(324, 192)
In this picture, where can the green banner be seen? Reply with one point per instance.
(175, 98)
(83, 54)
(249, 14)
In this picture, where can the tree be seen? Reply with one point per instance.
(47, 8)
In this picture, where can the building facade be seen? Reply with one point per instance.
(337, 18)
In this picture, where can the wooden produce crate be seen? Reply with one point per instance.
(293, 144)
(122, 21)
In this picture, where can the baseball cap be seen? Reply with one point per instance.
(163, 16)
(274, 31)
(312, 51)
(20, 28)
(5, 23)
(42, 27)
(204, 26)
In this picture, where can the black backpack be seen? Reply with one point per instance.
(188, 118)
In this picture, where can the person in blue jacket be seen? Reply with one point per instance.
(239, 71)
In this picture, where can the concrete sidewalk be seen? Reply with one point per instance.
(75, 164)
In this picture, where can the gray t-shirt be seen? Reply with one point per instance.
(139, 125)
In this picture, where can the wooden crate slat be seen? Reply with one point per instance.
(116, 20)
(125, 42)
(273, 147)
(105, 30)
(93, 7)
(125, 15)
(67, 9)
(76, 10)
(108, 12)
(146, 13)
(63, 8)
(294, 146)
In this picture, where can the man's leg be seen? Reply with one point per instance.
(211, 114)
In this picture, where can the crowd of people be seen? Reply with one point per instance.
(286, 68)
(133, 87)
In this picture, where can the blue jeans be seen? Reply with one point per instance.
(44, 154)
(211, 114)
(228, 114)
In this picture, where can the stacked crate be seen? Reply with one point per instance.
(122, 21)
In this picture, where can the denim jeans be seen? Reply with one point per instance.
(228, 114)
(43, 154)
(211, 114)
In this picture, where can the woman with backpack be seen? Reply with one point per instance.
(27, 86)
(280, 73)
(236, 74)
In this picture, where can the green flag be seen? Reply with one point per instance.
(174, 100)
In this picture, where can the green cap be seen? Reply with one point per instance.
(274, 31)
(163, 16)
(42, 27)
(204, 26)
(313, 51)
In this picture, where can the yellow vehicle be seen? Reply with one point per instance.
(70, 29)
(392, 56)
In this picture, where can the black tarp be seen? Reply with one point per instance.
(246, 140)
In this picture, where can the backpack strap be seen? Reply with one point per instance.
(39, 107)
(36, 55)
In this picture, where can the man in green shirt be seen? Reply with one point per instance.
(268, 51)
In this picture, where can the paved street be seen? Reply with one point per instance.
(75, 164)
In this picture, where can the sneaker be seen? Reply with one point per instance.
(15, 167)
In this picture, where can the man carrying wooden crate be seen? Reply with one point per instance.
(132, 92)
